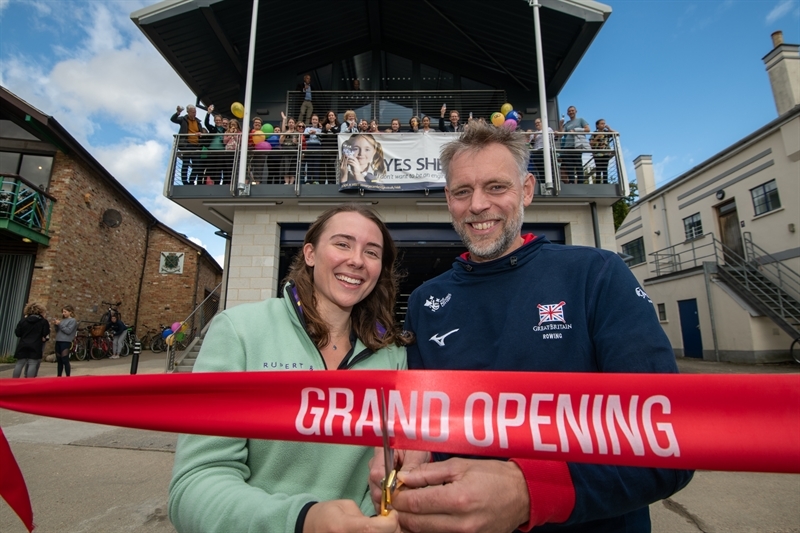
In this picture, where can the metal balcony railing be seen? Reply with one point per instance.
(575, 159)
(25, 205)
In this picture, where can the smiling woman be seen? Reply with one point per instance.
(335, 314)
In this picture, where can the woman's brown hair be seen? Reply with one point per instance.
(69, 309)
(371, 315)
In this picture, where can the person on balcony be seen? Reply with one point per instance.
(232, 139)
(330, 130)
(336, 315)
(306, 108)
(537, 148)
(258, 158)
(413, 124)
(395, 126)
(350, 124)
(373, 126)
(601, 150)
(363, 126)
(189, 138)
(453, 126)
(314, 144)
(288, 142)
(573, 145)
(33, 331)
(216, 154)
(426, 124)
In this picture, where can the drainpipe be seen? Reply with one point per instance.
(144, 266)
(595, 225)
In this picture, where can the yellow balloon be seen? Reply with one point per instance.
(498, 119)
(237, 109)
(258, 139)
(506, 108)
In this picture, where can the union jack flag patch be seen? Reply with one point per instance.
(551, 313)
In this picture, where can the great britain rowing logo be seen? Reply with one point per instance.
(436, 303)
(552, 316)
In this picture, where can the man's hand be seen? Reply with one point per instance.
(344, 516)
(485, 496)
(179, 109)
(211, 108)
(404, 461)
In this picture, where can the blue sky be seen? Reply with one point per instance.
(680, 80)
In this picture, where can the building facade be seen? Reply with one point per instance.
(718, 249)
(72, 234)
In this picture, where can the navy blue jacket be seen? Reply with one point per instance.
(552, 308)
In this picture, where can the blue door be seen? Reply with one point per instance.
(690, 328)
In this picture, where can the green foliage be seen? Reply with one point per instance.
(623, 205)
(7, 359)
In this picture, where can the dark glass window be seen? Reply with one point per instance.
(635, 249)
(34, 168)
(693, 227)
(662, 312)
(765, 198)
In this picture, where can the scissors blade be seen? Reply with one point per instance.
(388, 455)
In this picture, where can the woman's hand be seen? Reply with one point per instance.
(343, 516)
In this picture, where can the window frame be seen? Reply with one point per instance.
(662, 312)
(766, 196)
(626, 248)
(693, 227)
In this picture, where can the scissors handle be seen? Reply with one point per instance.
(390, 484)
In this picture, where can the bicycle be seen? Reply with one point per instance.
(99, 345)
(130, 341)
(159, 344)
(78, 348)
(148, 337)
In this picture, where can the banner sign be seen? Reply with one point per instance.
(710, 422)
(391, 161)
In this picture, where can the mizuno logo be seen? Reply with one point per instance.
(439, 339)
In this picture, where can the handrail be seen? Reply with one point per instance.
(785, 277)
(209, 307)
(25, 204)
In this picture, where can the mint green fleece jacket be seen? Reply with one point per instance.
(222, 484)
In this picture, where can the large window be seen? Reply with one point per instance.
(693, 227)
(765, 198)
(34, 168)
(635, 249)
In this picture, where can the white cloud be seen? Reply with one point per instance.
(781, 9)
(137, 165)
(197, 241)
(169, 212)
(220, 259)
(660, 168)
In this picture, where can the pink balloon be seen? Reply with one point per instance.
(263, 145)
(510, 124)
(176, 326)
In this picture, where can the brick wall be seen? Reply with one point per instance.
(168, 298)
(87, 262)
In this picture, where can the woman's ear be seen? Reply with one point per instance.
(308, 254)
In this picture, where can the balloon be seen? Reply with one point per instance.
(504, 109)
(514, 115)
(497, 119)
(258, 139)
(267, 128)
(510, 124)
(263, 145)
(180, 336)
(237, 109)
(176, 326)
(166, 333)
(273, 140)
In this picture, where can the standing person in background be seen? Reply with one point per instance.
(330, 130)
(350, 122)
(426, 124)
(118, 329)
(571, 157)
(66, 329)
(453, 125)
(413, 124)
(537, 147)
(216, 155)
(306, 108)
(189, 142)
(601, 150)
(33, 331)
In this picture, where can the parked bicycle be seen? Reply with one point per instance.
(79, 348)
(158, 343)
(99, 345)
(147, 338)
(130, 341)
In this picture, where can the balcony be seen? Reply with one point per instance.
(25, 209)
(208, 183)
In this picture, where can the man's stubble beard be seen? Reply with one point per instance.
(492, 250)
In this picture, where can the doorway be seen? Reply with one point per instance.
(690, 328)
(730, 232)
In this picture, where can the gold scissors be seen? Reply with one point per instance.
(390, 482)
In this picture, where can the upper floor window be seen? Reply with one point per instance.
(635, 249)
(765, 198)
(693, 227)
(34, 168)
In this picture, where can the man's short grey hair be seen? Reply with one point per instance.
(190, 106)
(479, 136)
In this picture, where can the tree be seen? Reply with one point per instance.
(623, 206)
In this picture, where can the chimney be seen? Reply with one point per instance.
(783, 68)
(645, 178)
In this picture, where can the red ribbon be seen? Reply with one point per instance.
(711, 422)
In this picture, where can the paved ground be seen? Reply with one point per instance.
(86, 478)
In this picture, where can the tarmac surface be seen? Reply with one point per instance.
(86, 478)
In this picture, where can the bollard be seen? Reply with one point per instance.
(137, 349)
